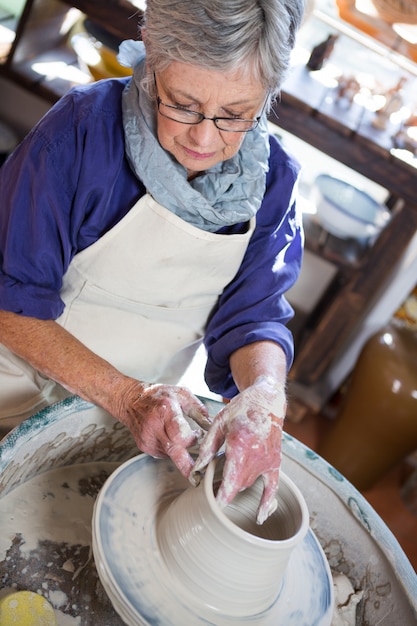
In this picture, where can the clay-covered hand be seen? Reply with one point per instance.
(250, 426)
(165, 420)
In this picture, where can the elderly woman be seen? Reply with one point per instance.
(142, 216)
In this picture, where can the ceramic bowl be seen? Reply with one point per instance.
(345, 211)
(166, 553)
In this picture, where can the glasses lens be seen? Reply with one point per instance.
(235, 125)
(184, 116)
(179, 115)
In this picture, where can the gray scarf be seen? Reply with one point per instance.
(229, 193)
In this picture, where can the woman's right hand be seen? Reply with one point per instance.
(165, 420)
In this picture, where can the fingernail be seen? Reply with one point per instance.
(221, 501)
(195, 478)
(265, 511)
(199, 465)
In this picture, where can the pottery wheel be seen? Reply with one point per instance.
(134, 574)
(45, 543)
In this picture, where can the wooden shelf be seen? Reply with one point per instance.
(118, 17)
(42, 37)
(304, 111)
(345, 254)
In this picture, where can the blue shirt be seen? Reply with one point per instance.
(69, 182)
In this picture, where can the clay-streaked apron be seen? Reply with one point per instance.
(139, 297)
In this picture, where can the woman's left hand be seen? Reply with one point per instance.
(250, 426)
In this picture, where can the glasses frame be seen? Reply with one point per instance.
(200, 117)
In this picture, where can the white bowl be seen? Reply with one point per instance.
(345, 211)
(166, 553)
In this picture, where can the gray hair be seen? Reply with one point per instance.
(256, 36)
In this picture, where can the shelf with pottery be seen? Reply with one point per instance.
(312, 110)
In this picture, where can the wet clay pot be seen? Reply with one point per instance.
(195, 536)
(377, 426)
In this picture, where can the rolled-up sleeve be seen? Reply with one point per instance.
(253, 306)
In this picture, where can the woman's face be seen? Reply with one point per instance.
(215, 94)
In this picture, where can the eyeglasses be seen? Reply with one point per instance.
(184, 116)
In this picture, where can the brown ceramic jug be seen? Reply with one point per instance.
(377, 425)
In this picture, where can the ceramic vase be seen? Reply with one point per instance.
(377, 425)
(223, 558)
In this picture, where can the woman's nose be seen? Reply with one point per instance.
(204, 133)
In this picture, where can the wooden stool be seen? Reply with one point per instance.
(377, 425)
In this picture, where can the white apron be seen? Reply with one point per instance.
(139, 297)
